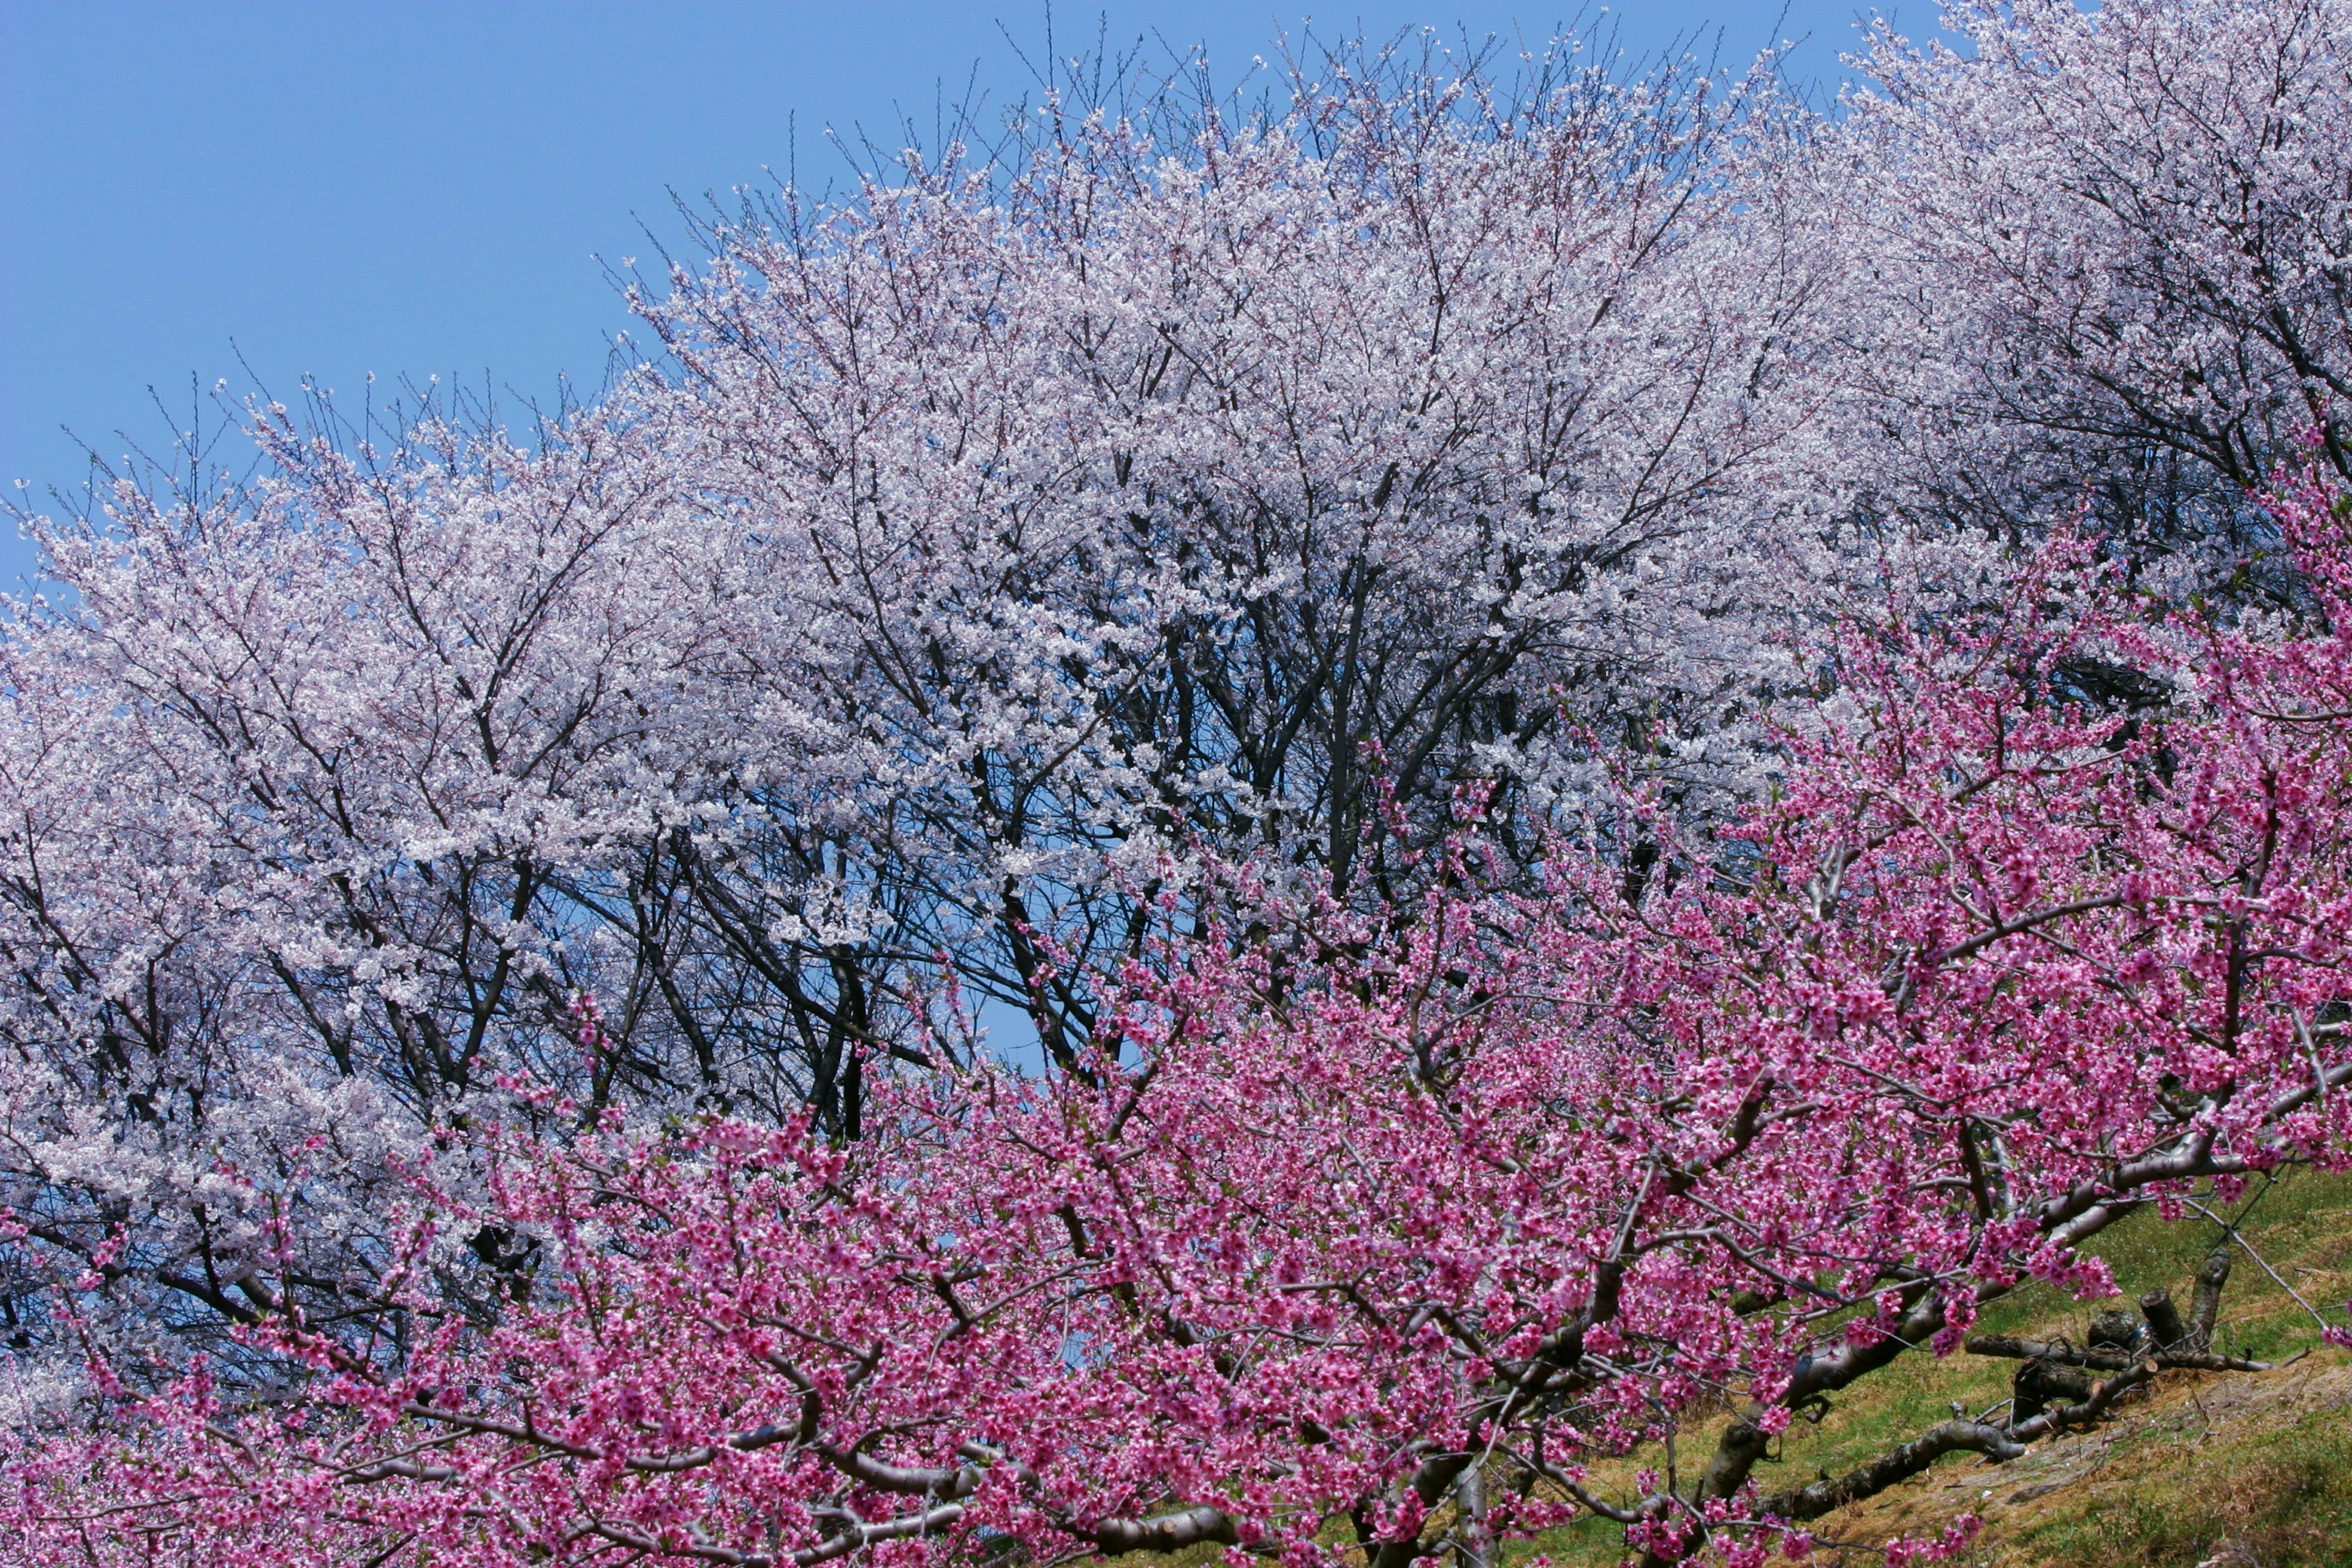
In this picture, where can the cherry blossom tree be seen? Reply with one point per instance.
(1160, 483)
(989, 545)
(2109, 247)
(1379, 1226)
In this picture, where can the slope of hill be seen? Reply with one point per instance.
(2210, 1470)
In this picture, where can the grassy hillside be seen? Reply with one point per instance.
(2229, 1470)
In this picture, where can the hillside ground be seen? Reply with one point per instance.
(2210, 1470)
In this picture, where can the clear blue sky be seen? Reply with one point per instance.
(338, 186)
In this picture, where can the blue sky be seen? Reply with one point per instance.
(262, 189)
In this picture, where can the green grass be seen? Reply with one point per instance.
(2254, 1469)
(2272, 1496)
